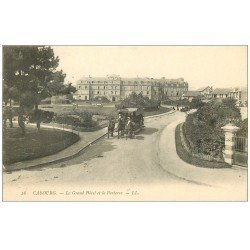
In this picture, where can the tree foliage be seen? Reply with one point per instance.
(139, 101)
(30, 75)
(196, 103)
(203, 128)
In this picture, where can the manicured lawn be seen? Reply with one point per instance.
(95, 110)
(35, 144)
(189, 158)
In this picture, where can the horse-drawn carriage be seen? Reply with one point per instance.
(130, 121)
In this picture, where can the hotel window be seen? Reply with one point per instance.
(86, 87)
(98, 92)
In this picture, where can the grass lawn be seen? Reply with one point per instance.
(161, 110)
(95, 110)
(189, 158)
(105, 110)
(35, 144)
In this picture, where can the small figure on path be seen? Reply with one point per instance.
(120, 126)
(21, 120)
(7, 115)
(111, 128)
(129, 128)
(38, 118)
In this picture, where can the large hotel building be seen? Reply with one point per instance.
(116, 88)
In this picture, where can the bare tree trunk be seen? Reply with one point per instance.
(11, 115)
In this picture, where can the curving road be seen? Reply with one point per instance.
(120, 165)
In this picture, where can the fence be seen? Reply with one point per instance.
(240, 144)
(240, 151)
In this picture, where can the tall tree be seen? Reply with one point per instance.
(30, 75)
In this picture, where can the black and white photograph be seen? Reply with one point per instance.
(125, 123)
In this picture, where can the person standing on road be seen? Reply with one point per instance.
(8, 115)
(21, 120)
(129, 128)
(111, 127)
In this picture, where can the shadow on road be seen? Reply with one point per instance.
(148, 131)
(94, 151)
(139, 137)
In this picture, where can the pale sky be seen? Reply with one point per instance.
(217, 66)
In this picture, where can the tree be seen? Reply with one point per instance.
(139, 101)
(30, 75)
(196, 103)
(203, 128)
(68, 89)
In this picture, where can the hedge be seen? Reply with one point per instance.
(203, 128)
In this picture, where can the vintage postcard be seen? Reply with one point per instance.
(124, 123)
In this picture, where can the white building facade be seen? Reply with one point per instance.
(116, 88)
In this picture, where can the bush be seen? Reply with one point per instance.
(101, 99)
(203, 128)
(180, 102)
(42, 115)
(185, 109)
(79, 119)
(139, 101)
(196, 103)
